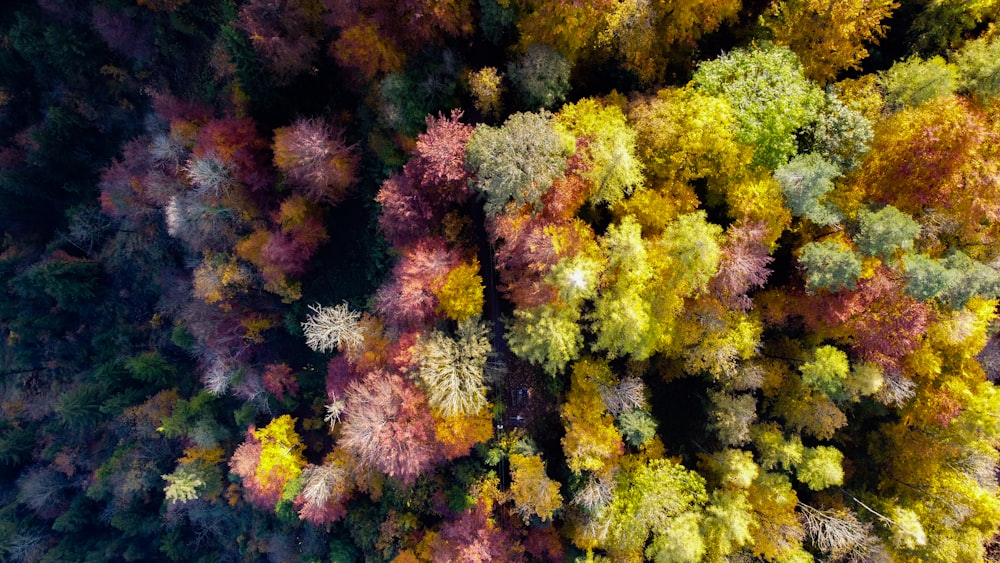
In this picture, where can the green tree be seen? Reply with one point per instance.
(884, 232)
(661, 499)
(978, 64)
(547, 335)
(970, 278)
(914, 81)
(842, 134)
(830, 265)
(622, 315)
(827, 371)
(821, 467)
(926, 277)
(805, 181)
(183, 484)
(729, 521)
(637, 426)
(771, 97)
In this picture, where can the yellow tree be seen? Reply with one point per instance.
(647, 34)
(534, 494)
(591, 442)
(829, 36)
(612, 167)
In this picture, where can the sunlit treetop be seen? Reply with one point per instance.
(771, 97)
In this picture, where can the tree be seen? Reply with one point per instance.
(486, 87)
(837, 531)
(621, 317)
(315, 159)
(945, 24)
(948, 136)
(842, 134)
(452, 370)
(637, 427)
(268, 460)
(182, 484)
(534, 494)
(278, 379)
(516, 162)
(389, 427)
(461, 296)
(771, 98)
(731, 416)
(729, 519)
(884, 232)
(285, 34)
(331, 328)
(474, 537)
(325, 490)
(821, 467)
(978, 64)
(408, 299)
(376, 36)
(458, 434)
(230, 151)
(645, 35)
(568, 27)
(433, 182)
(914, 81)
(281, 457)
(540, 76)
(611, 166)
(774, 450)
(685, 134)
(805, 181)
(661, 499)
(829, 36)
(547, 335)
(744, 257)
(591, 442)
(827, 371)
(829, 265)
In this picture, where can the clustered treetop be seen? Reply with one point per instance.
(505, 280)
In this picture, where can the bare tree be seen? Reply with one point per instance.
(330, 328)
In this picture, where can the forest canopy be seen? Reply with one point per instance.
(503, 280)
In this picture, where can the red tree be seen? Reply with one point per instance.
(278, 379)
(388, 426)
(408, 299)
(315, 159)
(237, 145)
(881, 322)
(434, 181)
(475, 538)
(743, 265)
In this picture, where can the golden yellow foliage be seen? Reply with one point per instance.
(829, 36)
(533, 492)
(459, 433)
(461, 296)
(591, 442)
(281, 458)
